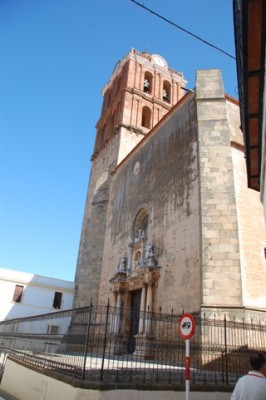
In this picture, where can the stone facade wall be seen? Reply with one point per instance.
(252, 237)
(188, 174)
(128, 141)
(162, 177)
(252, 234)
(94, 219)
(91, 244)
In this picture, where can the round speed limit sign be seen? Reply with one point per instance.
(186, 326)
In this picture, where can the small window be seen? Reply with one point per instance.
(17, 296)
(264, 253)
(57, 300)
(53, 329)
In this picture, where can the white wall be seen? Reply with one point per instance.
(38, 294)
(27, 384)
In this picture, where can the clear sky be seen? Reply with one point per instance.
(56, 56)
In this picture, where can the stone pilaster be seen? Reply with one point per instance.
(220, 255)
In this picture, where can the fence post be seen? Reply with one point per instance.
(86, 342)
(225, 350)
(105, 339)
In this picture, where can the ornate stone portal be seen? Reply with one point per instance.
(137, 272)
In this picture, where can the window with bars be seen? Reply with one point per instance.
(53, 329)
(17, 296)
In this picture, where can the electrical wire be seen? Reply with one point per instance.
(182, 29)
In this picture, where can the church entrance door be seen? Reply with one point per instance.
(134, 322)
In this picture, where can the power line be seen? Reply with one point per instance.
(183, 29)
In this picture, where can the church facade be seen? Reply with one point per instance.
(169, 222)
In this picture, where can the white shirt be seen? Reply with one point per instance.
(250, 387)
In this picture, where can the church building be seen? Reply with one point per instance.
(170, 224)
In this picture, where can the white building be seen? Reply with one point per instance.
(23, 294)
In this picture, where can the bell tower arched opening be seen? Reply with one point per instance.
(148, 82)
(146, 117)
(166, 91)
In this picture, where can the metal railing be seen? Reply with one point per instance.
(100, 343)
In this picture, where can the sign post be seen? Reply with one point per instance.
(186, 326)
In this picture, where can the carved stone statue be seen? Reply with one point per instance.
(122, 265)
(149, 258)
(142, 235)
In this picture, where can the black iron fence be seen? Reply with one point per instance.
(108, 344)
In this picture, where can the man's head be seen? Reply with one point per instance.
(258, 362)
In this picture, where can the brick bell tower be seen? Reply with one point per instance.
(141, 90)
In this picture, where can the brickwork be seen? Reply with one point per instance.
(125, 95)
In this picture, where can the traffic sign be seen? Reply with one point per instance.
(186, 325)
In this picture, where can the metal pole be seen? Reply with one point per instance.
(187, 368)
(225, 349)
(105, 339)
(87, 342)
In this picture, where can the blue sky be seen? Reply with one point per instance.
(56, 56)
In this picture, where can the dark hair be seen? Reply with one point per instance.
(257, 360)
